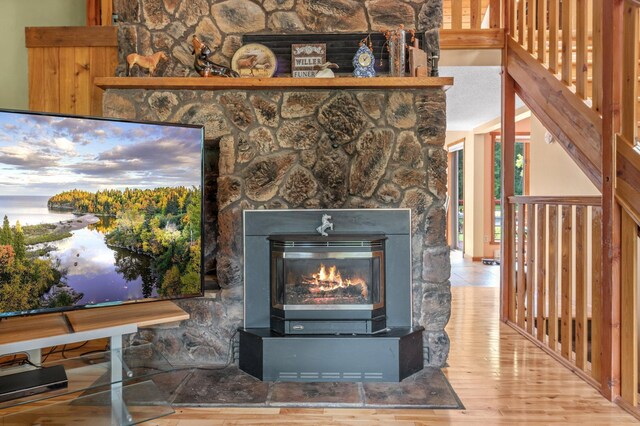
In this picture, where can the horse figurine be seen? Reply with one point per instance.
(203, 65)
(148, 62)
(325, 225)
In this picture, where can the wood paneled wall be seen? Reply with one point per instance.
(63, 61)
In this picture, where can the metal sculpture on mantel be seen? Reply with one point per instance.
(206, 67)
(326, 224)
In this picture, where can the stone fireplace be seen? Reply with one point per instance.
(280, 147)
(314, 149)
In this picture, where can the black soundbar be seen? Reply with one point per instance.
(32, 382)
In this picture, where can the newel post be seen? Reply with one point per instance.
(507, 255)
(611, 94)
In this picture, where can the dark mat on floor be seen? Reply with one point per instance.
(428, 388)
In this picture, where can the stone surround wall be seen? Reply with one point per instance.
(310, 149)
(147, 26)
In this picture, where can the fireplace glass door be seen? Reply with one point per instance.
(327, 280)
(327, 284)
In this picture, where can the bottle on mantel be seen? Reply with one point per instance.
(397, 51)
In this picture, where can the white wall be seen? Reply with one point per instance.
(474, 190)
(455, 136)
(553, 172)
(474, 193)
(470, 57)
(15, 15)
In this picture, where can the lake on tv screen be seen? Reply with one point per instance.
(96, 211)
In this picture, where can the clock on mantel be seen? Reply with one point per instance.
(363, 62)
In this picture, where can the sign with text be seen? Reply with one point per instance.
(306, 57)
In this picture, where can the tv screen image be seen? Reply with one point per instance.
(97, 211)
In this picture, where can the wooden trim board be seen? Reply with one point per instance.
(142, 314)
(250, 83)
(563, 200)
(94, 36)
(21, 329)
(18, 329)
(471, 39)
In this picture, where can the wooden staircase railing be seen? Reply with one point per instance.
(555, 48)
(568, 43)
(630, 74)
(554, 298)
(559, 55)
(627, 193)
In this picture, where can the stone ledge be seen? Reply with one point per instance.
(223, 83)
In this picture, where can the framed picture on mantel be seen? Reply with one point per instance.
(305, 59)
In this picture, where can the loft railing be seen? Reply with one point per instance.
(566, 37)
(471, 14)
(554, 297)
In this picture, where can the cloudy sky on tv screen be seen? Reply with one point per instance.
(96, 211)
(45, 153)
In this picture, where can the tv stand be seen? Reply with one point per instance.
(23, 334)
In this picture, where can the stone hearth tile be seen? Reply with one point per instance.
(428, 388)
(227, 386)
(324, 394)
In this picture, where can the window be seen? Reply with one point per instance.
(521, 184)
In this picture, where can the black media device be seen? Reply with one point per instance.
(32, 382)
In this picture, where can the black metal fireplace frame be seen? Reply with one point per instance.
(390, 355)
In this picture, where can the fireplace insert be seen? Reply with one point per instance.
(327, 284)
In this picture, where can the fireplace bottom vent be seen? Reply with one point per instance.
(331, 376)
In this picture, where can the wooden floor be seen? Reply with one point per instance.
(501, 378)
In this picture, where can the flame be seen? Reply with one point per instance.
(331, 281)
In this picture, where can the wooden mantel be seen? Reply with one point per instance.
(223, 83)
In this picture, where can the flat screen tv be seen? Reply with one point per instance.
(97, 212)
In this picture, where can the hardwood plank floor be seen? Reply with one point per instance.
(501, 378)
